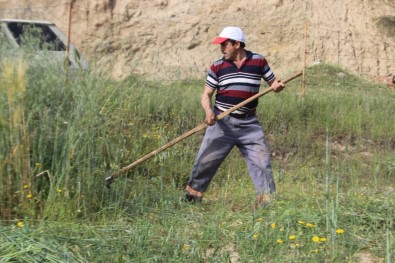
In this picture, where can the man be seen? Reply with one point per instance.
(235, 77)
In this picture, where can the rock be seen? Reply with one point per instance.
(390, 79)
(341, 75)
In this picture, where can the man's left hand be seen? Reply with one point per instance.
(277, 85)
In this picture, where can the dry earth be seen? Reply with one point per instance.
(170, 39)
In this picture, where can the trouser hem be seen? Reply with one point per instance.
(189, 190)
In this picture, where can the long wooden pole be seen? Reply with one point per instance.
(69, 29)
(67, 58)
(304, 63)
(194, 130)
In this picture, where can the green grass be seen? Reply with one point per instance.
(333, 161)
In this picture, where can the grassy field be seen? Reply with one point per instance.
(333, 160)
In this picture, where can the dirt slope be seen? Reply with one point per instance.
(170, 39)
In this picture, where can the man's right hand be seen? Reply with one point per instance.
(206, 104)
(210, 118)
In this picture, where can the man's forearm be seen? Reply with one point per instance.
(206, 102)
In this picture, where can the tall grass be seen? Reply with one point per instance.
(333, 157)
(15, 136)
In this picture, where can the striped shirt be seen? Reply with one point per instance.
(235, 85)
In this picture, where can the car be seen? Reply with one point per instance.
(42, 37)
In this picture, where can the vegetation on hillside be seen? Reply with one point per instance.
(386, 25)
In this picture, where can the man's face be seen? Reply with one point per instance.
(229, 50)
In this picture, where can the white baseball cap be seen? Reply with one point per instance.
(230, 32)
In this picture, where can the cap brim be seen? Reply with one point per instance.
(219, 40)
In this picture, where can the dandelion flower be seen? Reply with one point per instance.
(323, 239)
(280, 241)
(315, 239)
(59, 190)
(259, 219)
(309, 225)
(273, 225)
(292, 237)
(255, 236)
(20, 224)
(185, 247)
(339, 231)
(301, 222)
(29, 196)
(25, 186)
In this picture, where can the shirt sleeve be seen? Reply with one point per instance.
(267, 73)
(212, 80)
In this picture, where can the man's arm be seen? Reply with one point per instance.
(206, 104)
(276, 84)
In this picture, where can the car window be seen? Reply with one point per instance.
(39, 36)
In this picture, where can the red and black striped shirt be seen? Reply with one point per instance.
(235, 85)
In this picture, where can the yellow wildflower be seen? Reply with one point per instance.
(29, 196)
(309, 225)
(315, 239)
(301, 222)
(259, 219)
(255, 236)
(292, 237)
(339, 231)
(273, 225)
(280, 241)
(185, 247)
(25, 186)
(20, 224)
(322, 239)
(59, 190)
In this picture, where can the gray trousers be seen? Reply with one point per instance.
(218, 141)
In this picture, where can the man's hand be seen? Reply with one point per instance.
(210, 118)
(277, 85)
(206, 104)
